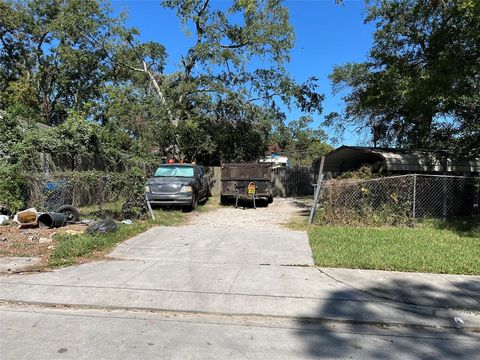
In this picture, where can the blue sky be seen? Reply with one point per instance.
(326, 34)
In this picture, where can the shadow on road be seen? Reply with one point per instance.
(393, 342)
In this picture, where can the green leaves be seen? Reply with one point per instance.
(420, 78)
(12, 187)
(72, 65)
(52, 55)
(300, 142)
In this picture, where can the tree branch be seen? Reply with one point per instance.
(154, 81)
(193, 59)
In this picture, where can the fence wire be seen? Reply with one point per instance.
(398, 199)
(96, 193)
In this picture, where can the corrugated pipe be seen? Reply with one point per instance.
(52, 220)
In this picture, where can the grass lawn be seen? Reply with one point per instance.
(430, 247)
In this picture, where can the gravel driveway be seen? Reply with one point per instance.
(280, 212)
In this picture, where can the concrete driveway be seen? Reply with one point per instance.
(232, 268)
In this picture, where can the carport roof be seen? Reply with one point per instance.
(346, 158)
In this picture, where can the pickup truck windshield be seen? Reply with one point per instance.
(178, 171)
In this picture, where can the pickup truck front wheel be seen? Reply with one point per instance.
(193, 205)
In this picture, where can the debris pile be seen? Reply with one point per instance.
(31, 218)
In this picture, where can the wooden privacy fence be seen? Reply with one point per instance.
(214, 174)
(294, 181)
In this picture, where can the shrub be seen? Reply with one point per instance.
(135, 206)
(12, 187)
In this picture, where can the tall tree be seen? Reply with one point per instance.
(301, 143)
(420, 86)
(64, 57)
(219, 85)
(49, 58)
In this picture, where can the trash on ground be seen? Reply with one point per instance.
(127, 222)
(87, 222)
(458, 321)
(102, 227)
(4, 219)
(27, 218)
(52, 220)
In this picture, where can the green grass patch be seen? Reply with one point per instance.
(212, 204)
(113, 209)
(448, 248)
(69, 248)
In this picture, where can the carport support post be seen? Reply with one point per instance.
(317, 191)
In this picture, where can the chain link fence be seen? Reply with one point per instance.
(94, 193)
(398, 200)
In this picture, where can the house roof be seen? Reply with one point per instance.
(346, 158)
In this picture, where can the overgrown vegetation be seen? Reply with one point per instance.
(94, 189)
(433, 246)
(365, 215)
(12, 187)
(72, 64)
(361, 199)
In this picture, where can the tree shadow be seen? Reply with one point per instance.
(464, 226)
(303, 204)
(380, 340)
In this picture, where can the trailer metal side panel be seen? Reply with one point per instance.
(236, 178)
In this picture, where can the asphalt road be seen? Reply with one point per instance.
(45, 333)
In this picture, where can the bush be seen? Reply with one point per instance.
(12, 188)
(135, 206)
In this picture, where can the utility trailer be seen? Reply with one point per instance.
(250, 181)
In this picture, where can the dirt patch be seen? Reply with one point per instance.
(36, 242)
